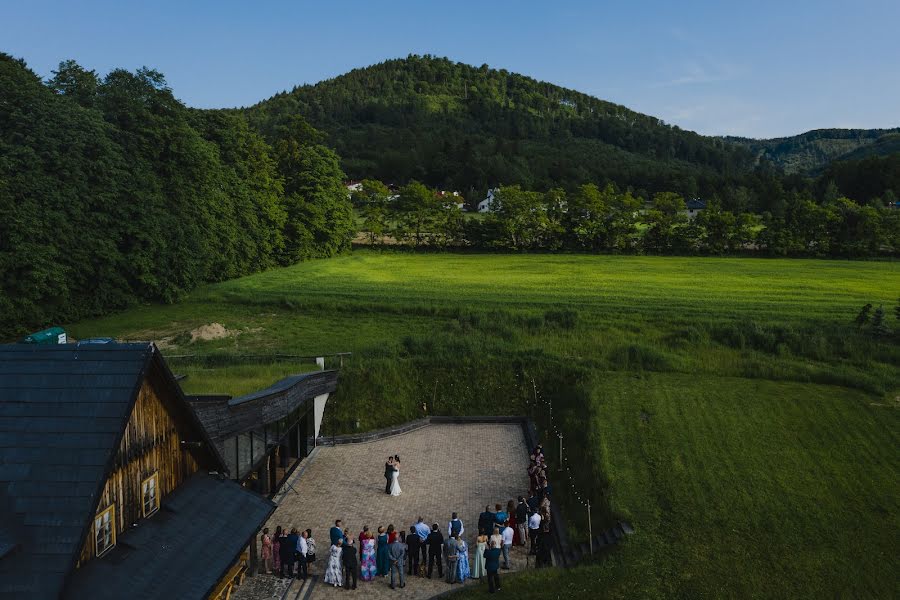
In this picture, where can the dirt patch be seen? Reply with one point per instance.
(211, 331)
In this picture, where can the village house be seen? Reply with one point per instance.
(112, 487)
(488, 204)
(694, 206)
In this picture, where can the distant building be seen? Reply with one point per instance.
(694, 207)
(488, 204)
(353, 186)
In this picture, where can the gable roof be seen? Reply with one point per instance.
(182, 550)
(696, 204)
(63, 411)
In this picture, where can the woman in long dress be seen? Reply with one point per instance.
(367, 565)
(382, 560)
(276, 549)
(462, 563)
(266, 551)
(395, 482)
(333, 573)
(478, 568)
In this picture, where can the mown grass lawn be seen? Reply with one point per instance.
(728, 408)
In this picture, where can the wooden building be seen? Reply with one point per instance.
(110, 487)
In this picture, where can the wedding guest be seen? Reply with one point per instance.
(496, 538)
(423, 530)
(367, 560)
(500, 516)
(302, 555)
(451, 555)
(492, 566)
(392, 534)
(485, 521)
(435, 543)
(413, 543)
(462, 562)
(455, 526)
(336, 532)
(351, 565)
(333, 574)
(397, 556)
(478, 558)
(266, 552)
(533, 469)
(522, 522)
(507, 534)
(276, 549)
(382, 560)
(362, 536)
(310, 548)
(544, 510)
(534, 530)
(288, 553)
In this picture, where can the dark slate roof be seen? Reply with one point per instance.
(63, 409)
(223, 417)
(182, 551)
(696, 204)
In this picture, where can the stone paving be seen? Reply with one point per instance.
(445, 468)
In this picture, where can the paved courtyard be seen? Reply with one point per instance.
(445, 468)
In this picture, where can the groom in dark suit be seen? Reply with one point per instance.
(388, 474)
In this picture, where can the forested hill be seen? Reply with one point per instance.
(457, 126)
(811, 152)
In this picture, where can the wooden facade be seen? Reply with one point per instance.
(150, 444)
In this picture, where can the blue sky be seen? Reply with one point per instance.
(759, 69)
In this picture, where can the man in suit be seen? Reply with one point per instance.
(413, 543)
(388, 474)
(435, 545)
(288, 553)
(351, 565)
(336, 533)
(451, 555)
(397, 556)
(486, 521)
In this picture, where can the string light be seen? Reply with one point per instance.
(563, 459)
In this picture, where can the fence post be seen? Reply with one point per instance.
(560, 451)
(590, 529)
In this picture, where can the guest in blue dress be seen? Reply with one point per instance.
(462, 563)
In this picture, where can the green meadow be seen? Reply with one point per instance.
(728, 408)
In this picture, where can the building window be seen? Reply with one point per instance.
(150, 494)
(105, 530)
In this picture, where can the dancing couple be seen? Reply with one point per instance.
(392, 476)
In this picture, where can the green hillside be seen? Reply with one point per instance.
(454, 125)
(812, 151)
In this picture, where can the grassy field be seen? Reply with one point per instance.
(728, 408)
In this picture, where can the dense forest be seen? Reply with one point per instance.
(594, 219)
(113, 192)
(452, 125)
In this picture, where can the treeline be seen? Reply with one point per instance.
(112, 192)
(594, 219)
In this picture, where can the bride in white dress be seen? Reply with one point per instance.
(395, 482)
